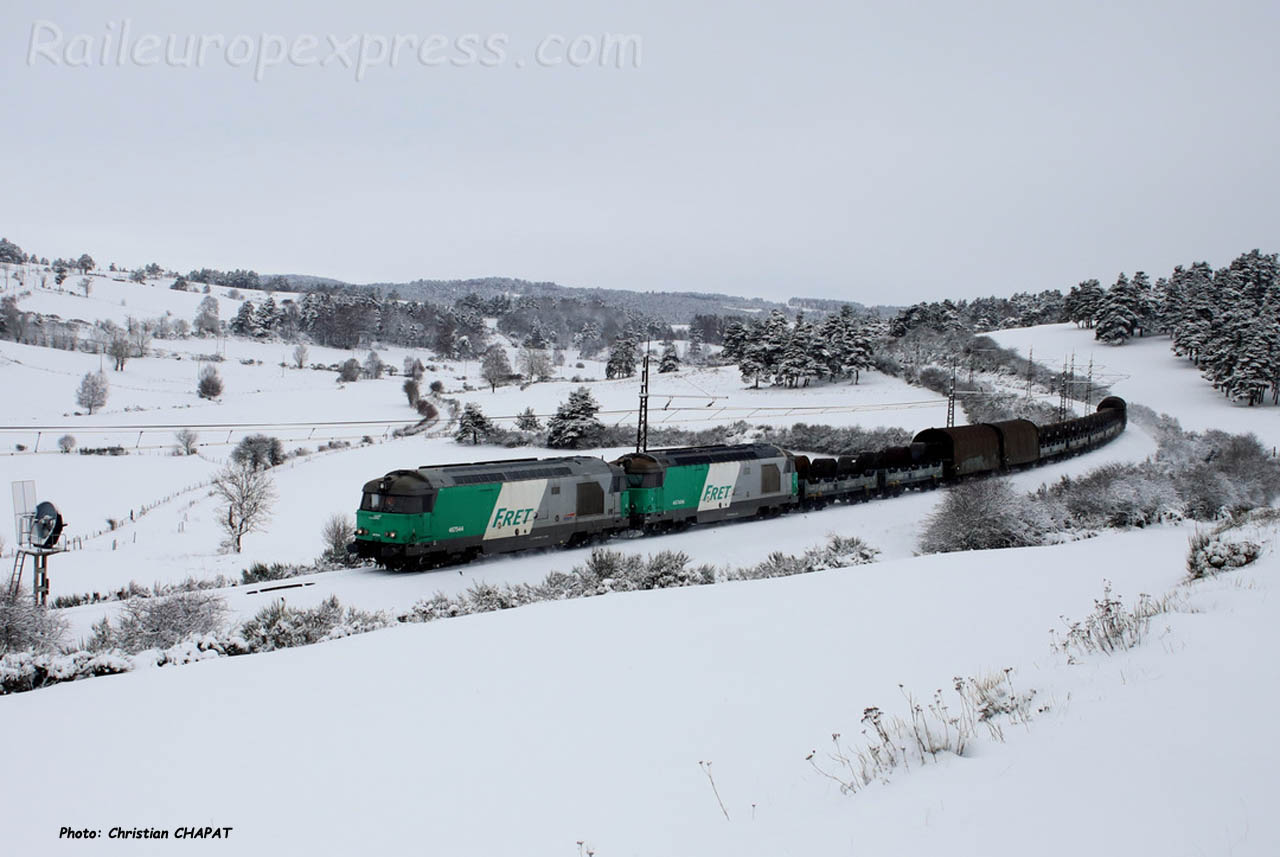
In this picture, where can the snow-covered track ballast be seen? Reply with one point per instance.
(436, 515)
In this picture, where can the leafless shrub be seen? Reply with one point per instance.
(185, 441)
(337, 533)
(210, 384)
(158, 623)
(24, 626)
(983, 514)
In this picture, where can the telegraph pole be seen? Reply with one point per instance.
(951, 397)
(1062, 394)
(642, 426)
(1031, 356)
(1088, 389)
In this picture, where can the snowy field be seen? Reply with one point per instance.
(527, 731)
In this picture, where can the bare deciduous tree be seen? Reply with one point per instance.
(300, 354)
(495, 368)
(535, 365)
(338, 532)
(248, 494)
(121, 350)
(93, 391)
(185, 441)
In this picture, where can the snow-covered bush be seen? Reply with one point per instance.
(279, 626)
(983, 514)
(484, 597)
(23, 671)
(25, 626)
(349, 371)
(260, 571)
(1210, 554)
(158, 623)
(259, 451)
(438, 606)
(1118, 495)
(607, 571)
(209, 385)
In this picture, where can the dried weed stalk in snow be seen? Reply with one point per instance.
(930, 729)
(1112, 628)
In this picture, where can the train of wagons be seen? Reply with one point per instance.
(438, 515)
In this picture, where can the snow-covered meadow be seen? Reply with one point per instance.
(530, 731)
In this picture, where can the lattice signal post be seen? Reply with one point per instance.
(38, 527)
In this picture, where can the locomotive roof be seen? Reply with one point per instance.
(687, 455)
(513, 470)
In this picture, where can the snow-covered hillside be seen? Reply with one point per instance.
(1145, 370)
(525, 731)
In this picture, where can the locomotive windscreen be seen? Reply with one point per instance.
(400, 504)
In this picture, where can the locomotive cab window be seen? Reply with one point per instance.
(399, 504)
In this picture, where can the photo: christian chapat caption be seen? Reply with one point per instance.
(146, 833)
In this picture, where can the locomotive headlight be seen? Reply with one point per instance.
(391, 534)
(361, 531)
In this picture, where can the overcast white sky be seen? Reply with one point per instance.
(883, 152)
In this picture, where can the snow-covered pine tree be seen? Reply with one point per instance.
(734, 340)
(527, 420)
(587, 339)
(622, 358)
(752, 355)
(835, 356)
(693, 356)
(1090, 302)
(798, 365)
(266, 317)
(574, 424)
(1145, 304)
(1194, 310)
(1253, 373)
(772, 342)
(1119, 314)
(246, 321)
(473, 425)
(670, 361)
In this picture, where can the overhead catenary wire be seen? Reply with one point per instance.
(749, 410)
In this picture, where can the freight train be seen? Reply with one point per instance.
(431, 516)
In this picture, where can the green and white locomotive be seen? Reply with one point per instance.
(423, 517)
